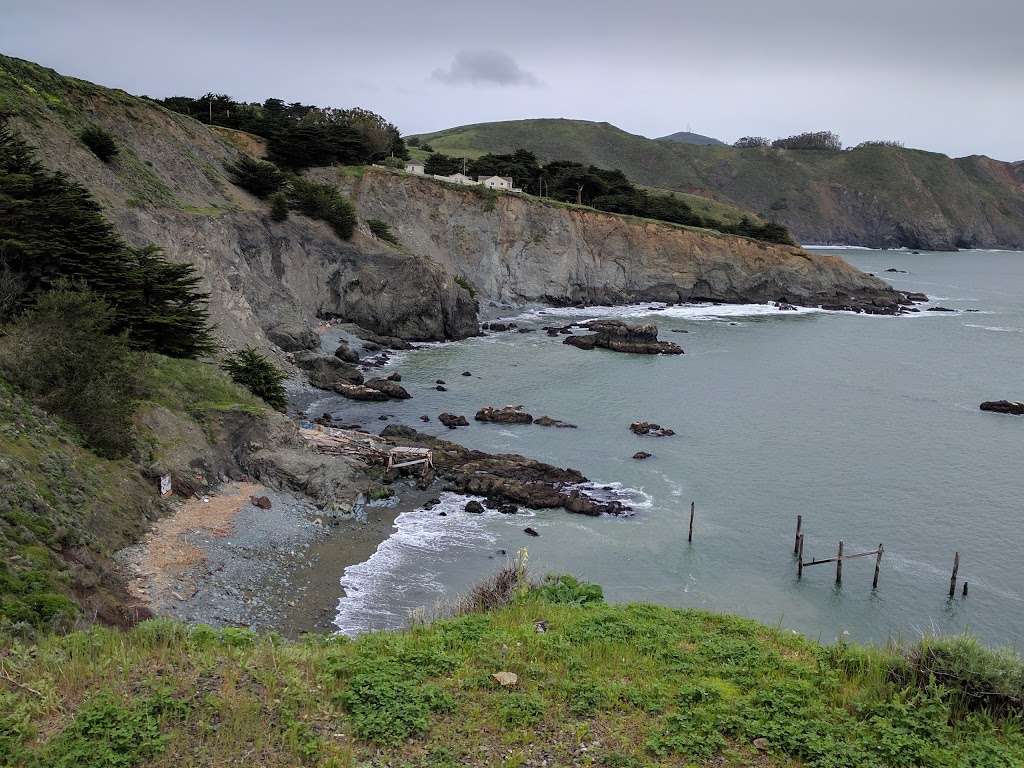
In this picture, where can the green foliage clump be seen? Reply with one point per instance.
(52, 229)
(252, 370)
(279, 206)
(568, 590)
(521, 710)
(381, 230)
(465, 285)
(324, 202)
(443, 165)
(816, 140)
(256, 176)
(976, 678)
(107, 733)
(65, 353)
(99, 142)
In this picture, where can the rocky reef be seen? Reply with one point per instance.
(621, 337)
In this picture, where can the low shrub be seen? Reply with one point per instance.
(63, 354)
(256, 176)
(388, 704)
(565, 589)
(279, 206)
(324, 202)
(382, 231)
(252, 370)
(99, 142)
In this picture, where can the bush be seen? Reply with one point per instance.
(382, 231)
(749, 142)
(817, 140)
(324, 202)
(99, 142)
(255, 372)
(569, 591)
(393, 162)
(62, 353)
(256, 176)
(279, 206)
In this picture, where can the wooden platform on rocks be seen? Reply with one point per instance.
(346, 442)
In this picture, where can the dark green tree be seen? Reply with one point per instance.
(279, 206)
(255, 372)
(324, 202)
(442, 165)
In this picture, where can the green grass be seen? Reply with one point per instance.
(624, 685)
(196, 388)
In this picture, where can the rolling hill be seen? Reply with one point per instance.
(878, 196)
(688, 137)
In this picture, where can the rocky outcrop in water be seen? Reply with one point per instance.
(1003, 406)
(392, 389)
(509, 414)
(649, 428)
(621, 337)
(507, 478)
(452, 421)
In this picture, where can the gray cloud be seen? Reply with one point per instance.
(484, 68)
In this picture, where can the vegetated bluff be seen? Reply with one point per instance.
(168, 186)
(878, 196)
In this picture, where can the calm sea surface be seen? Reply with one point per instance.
(867, 426)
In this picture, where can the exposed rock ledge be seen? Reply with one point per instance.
(620, 337)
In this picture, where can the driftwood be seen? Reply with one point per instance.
(346, 442)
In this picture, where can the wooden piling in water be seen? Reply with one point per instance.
(839, 565)
(965, 589)
(796, 540)
(878, 566)
(952, 579)
(689, 536)
(800, 556)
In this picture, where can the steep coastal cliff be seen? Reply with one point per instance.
(515, 248)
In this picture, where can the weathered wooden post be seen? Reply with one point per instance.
(796, 541)
(839, 565)
(689, 536)
(952, 579)
(800, 556)
(965, 589)
(878, 565)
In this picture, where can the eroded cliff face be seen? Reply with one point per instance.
(514, 248)
(168, 186)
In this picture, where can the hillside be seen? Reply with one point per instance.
(876, 196)
(688, 137)
(550, 676)
(169, 186)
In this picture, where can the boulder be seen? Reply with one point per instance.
(452, 421)
(260, 501)
(326, 370)
(475, 508)
(466, 373)
(581, 504)
(346, 353)
(441, 388)
(359, 392)
(1004, 406)
(530, 532)
(294, 337)
(507, 509)
(509, 414)
(939, 309)
(424, 418)
(398, 430)
(621, 337)
(390, 388)
(641, 455)
(650, 428)
(396, 376)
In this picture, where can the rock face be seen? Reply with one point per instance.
(325, 371)
(1003, 406)
(620, 337)
(514, 249)
(294, 337)
(509, 414)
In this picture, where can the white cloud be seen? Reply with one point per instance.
(484, 68)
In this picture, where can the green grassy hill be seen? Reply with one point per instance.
(878, 196)
(627, 686)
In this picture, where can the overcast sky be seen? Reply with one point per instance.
(943, 75)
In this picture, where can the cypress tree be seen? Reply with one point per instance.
(51, 229)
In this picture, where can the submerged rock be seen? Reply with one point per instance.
(547, 421)
(641, 455)
(939, 309)
(530, 532)
(1003, 406)
(621, 337)
(509, 414)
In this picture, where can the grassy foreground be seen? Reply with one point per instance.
(602, 685)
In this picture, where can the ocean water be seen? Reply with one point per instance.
(867, 426)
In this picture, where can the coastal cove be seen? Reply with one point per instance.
(867, 426)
